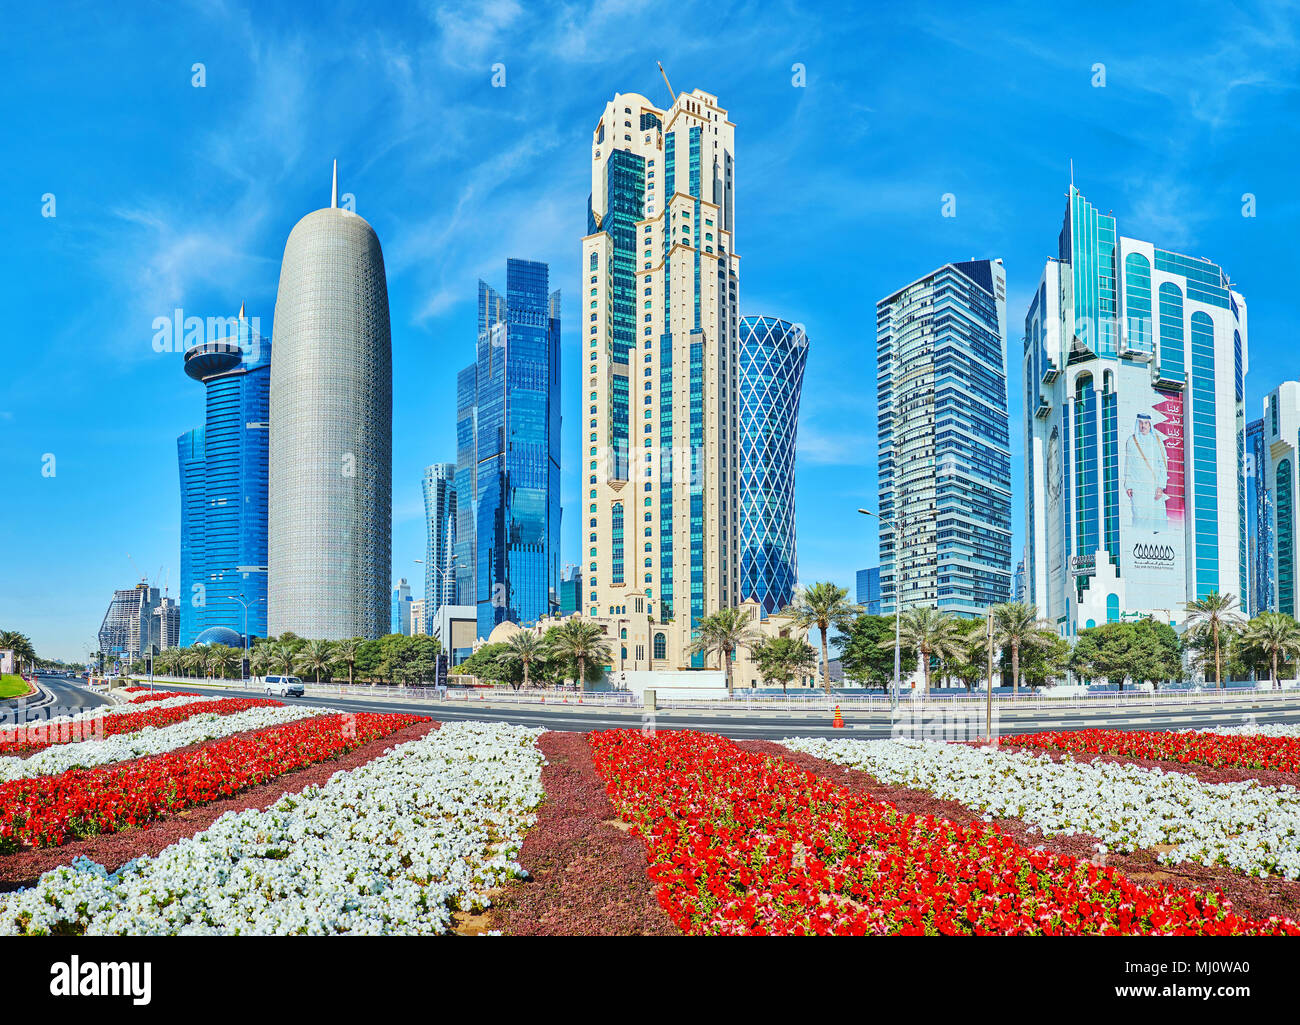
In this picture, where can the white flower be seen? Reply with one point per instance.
(1246, 826)
(151, 740)
(393, 846)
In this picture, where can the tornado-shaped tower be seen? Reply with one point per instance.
(330, 487)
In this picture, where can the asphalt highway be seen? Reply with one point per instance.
(69, 697)
(747, 725)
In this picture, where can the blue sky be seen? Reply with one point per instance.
(173, 196)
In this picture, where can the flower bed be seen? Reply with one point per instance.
(37, 736)
(46, 811)
(397, 845)
(1265, 729)
(1249, 750)
(587, 877)
(85, 754)
(158, 695)
(744, 844)
(1244, 826)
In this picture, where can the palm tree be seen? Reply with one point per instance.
(1276, 634)
(724, 631)
(283, 656)
(525, 647)
(1214, 612)
(20, 644)
(196, 660)
(315, 656)
(345, 654)
(167, 660)
(1017, 626)
(259, 660)
(824, 606)
(222, 659)
(930, 632)
(583, 642)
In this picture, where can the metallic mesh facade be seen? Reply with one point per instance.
(330, 537)
(773, 354)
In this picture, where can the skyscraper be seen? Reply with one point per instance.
(1275, 497)
(223, 469)
(1134, 367)
(330, 537)
(660, 446)
(944, 441)
(167, 630)
(508, 454)
(773, 353)
(1259, 522)
(440, 517)
(129, 626)
(868, 594)
(463, 547)
(570, 590)
(400, 613)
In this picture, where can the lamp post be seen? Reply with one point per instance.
(443, 572)
(898, 656)
(243, 661)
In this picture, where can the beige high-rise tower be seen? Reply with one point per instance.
(660, 341)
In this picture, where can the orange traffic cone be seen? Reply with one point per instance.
(839, 719)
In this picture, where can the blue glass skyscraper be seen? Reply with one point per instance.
(868, 595)
(440, 517)
(508, 455)
(223, 476)
(773, 354)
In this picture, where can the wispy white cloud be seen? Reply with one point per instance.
(835, 448)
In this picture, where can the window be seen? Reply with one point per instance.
(660, 646)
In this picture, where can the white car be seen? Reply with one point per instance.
(285, 686)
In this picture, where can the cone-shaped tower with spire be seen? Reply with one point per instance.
(330, 538)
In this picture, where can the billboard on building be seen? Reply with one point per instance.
(1153, 540)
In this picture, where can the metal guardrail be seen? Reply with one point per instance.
(808, 701)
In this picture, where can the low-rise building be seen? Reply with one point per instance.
(642, 644)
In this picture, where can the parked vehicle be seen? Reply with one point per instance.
(285, 686)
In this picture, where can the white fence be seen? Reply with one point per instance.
(802, 701)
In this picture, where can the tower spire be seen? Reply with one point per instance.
(241, 311)
(334, 188)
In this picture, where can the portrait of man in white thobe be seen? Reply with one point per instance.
(1146, 475)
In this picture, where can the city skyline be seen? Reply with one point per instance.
(200, 238)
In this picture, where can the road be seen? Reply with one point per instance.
(70, 696)
(745, 725)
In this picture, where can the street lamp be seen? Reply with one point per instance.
(451, 564)
(898, 656)
(243, 662)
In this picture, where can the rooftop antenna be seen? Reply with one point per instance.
(334, 187)
(671, 94)
(1072, 172)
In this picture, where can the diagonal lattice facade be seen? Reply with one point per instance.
(773, 354)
